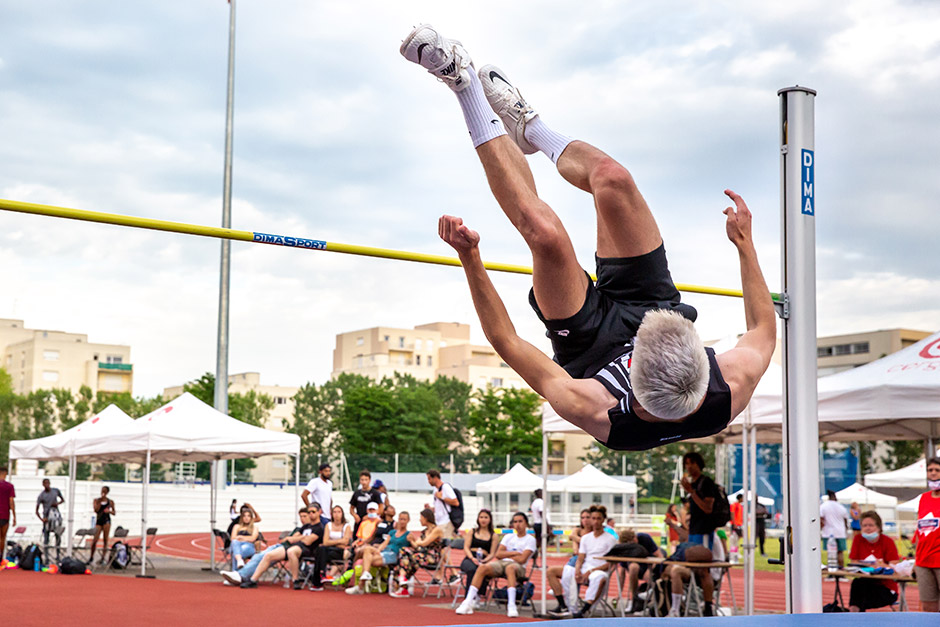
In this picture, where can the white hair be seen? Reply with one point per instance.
(669, 372)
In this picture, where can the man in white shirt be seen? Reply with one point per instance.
(514, 551)
(320, 489)
(834, 520)
(444, 499)
(590, 569)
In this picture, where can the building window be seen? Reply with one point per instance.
(824, 351)
(418, 359)
(860, 347)
(857, 348)
(430, 360)
(401, 342)
(359, 361)
(280, 400)
(496, 382)
(50, 355)
(418, 344)
(360, 341)
(387, 338)
(50, 376)
(115, 359)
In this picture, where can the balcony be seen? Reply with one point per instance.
(121, 367)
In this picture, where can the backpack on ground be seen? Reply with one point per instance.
(14, 552)
(120, 557)
(31, 559)
(72, 566)
(455, 512)
(662, 596)
(721, 508)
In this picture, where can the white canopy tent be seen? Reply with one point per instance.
(912, 476)
(590, 485)
(186, 429)
(763, 500)
(61, 447)
(505, 494)
(867, 499)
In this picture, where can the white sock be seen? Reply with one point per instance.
(512, 596)
(545, 139)
(676, 600)
(473, 592)
(482, 122)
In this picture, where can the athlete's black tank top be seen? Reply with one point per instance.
(630, 433)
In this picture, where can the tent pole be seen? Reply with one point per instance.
(213, 466)
(752, 521)
(69, 541)
(545, 507)
(143, 521)
(296, 483)
(746, 491)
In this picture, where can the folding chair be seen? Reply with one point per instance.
(491, 597)
(136, 549)
(223, 539)
(440, 574)
(80, 542)
(601, 606)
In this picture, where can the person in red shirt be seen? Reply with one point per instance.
(879, 551)
(7, 509)
(737, 520)
(927, 556)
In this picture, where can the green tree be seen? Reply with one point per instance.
(654, 469)
(505, 421)
(902, 453)
(313, 423)
(6, 415)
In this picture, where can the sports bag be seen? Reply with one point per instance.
(72, 566)
(32, 555)
(721, 509)
(455, 512)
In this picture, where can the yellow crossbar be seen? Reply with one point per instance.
(287, 241)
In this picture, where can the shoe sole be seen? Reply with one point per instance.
(232, 581)
(485, 76)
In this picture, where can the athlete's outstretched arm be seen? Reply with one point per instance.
(584, 402)
(744, 365)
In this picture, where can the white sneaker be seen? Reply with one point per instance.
(354, 590)
(365, 577)
(231, 578)
(512, 611)
(509, 105)
(444, 58)
(465, 608)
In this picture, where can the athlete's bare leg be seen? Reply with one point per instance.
(558, 280)
(625, 225)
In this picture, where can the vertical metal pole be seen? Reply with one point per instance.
(396, 472)
(746, 491)
(546, 500)
(221, 364)
(451, 469)
(800, 416)
(72, 471)
(507, 462)
(143, 519)
(297, 486)
(752, 522)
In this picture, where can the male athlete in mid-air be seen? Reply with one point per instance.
(629, 367)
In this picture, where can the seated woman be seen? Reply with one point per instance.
(385, 523)
(385, 553)
(479, 545)
(244, 536)
(877, 550)
(425, 551)
(336, 537)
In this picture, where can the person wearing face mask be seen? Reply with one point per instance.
(927, 556)
(877, 550)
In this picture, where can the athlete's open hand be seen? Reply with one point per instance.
(738, 225)
(453, 231)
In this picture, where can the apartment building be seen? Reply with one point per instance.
(44, 359)
(836, 353)
(270, 468)
(425, 352)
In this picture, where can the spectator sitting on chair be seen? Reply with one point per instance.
(879, 551)
(383, 491)
(299, 543)
(49, 499)
(104, 508)
(244, 535)
(424, 552)
(479, 545)
(384, 525)
(384, 553)
(513, 552)
(336, 537)
(679, 575)
(636, 571)
(361, 498)
(556, 573)
(444, 499)
(590, 568)
(234, 578)
(368, 527)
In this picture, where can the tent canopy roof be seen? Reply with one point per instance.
(58, 446)
(857, 493)
(516, 479)
(590, 479)
(913, 476)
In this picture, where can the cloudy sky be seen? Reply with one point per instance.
(120, 107)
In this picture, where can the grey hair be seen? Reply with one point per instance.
(669, 372)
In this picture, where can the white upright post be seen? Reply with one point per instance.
(143, 519)
(748, 555)
(800, 417)
(546, 500)
(70, 531)
(752, 520)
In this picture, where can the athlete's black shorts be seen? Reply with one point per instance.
(626, 288)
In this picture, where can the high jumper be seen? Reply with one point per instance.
(629, 367)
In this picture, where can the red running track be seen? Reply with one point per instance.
(769, 587)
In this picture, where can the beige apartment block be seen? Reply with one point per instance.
(425, 352)
(836, 353)
(41, 359)
(270, 468)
